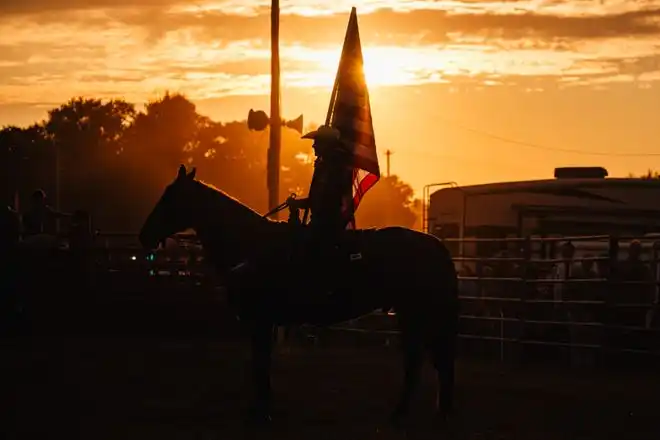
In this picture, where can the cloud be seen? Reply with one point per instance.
(12, 7)
(623, 69)
(427, 26)
(315, 20)
(136, 49)
(322, 7)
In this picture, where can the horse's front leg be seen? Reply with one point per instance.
(262, 344)
(413, 355)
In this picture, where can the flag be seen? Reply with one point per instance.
(350, 113)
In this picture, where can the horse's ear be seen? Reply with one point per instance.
(182, 172)
(191, 175)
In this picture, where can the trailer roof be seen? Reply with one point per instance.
(550, 185)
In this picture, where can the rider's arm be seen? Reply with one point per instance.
(299, 203)
(57, 214)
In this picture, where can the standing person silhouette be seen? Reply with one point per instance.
(40, 217)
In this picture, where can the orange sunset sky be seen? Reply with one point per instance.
(450, 81)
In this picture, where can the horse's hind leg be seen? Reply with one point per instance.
(413, 356)
(261, 336)
(443, 354)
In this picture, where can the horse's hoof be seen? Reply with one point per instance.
(258, 419)
(442, 417)
(444, 407)
(444, 420)
(398, 420)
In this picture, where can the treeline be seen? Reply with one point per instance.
(649, 175)
(114, 161)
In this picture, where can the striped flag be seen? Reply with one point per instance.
(350, 113)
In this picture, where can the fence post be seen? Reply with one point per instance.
(609, 298)
(650, 315)
(522, 309)
(655, 254)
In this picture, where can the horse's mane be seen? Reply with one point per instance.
(234, 201)
(213, 187)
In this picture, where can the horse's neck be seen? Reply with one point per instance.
(227, 247)
(229, 231)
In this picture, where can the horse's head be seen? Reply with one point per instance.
(172, 212)
(41, 242)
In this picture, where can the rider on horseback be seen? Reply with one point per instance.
(330, 195)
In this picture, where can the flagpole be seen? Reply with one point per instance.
(275, 118)
(333, 95)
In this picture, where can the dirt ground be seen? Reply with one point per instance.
(155, 388)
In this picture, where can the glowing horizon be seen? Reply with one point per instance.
(470, 61)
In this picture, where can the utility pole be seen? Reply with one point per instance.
(275, 119)
(259, 121)
(274, 148)
(388, 153)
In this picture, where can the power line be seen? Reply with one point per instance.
(430, 154)
(543, 147)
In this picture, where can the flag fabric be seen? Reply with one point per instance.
(350, 114)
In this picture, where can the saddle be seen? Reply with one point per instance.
(345, 248)
(325, 267)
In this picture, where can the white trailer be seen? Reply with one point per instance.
(578, 202)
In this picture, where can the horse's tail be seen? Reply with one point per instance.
(443, 346)
(450, 294)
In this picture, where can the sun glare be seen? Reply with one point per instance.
(383, 65)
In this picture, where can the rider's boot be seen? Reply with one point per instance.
(321, 256)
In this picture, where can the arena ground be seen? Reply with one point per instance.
(161, 388)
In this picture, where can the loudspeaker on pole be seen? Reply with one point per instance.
(296, 124)
(258, 120)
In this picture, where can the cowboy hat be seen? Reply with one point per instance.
(324, 132)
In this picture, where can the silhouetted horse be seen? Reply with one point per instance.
(372, 269)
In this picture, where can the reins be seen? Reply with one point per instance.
(281, 206)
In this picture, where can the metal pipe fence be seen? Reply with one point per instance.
(526, 305)
(598, 315)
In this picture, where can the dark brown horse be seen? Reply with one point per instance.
(370, 270)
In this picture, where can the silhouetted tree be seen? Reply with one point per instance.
(26, 160)
(114, 161)
(165, 133)
(86, 135)
(650, 174)
(390, 202)
(234, 158)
